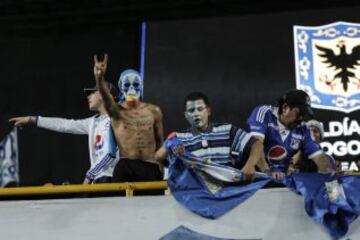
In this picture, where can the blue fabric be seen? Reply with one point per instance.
(9, 160)
(333, 201)
(183, 232)
(172, 143)
(204, 195)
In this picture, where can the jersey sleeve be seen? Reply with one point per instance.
(63, 125)
(239, 139)
(310, 148)
(258, 121)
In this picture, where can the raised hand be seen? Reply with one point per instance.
(22, 121)
(100, 67)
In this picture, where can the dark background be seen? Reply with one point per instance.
(239, 52)
(44, 71)
(239, 62)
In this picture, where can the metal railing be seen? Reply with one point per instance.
(128, 187)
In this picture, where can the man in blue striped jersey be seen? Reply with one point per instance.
(221, 143)
(283, 133)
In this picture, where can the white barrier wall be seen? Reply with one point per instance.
(269, 214)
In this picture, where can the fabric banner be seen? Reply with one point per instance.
(9, 166)
(200, 190)
(333, 201)
(330, 200)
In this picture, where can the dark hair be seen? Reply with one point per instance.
(113, 90)
(281, 102)
(296, 98)
(196, 96)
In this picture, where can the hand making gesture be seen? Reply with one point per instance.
(100, 67)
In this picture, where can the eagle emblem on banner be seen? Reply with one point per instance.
(327, 60)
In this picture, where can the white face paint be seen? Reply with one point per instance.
(197, 114)
(131, 85)
(315, 134)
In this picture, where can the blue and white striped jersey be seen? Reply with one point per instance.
(220, 143)
(280, 143)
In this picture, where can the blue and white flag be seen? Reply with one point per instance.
(333, 201)
(209, 191)
(9, 166)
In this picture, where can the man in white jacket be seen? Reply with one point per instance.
(102, 144)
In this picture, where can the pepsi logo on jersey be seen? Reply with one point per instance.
(277, 153)
(99, 142)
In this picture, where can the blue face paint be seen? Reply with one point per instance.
(131, 85)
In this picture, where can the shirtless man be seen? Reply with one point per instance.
(137, 126)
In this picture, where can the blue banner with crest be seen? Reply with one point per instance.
(327, 60)
(9, 166)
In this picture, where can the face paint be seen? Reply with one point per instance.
(315, 134)
(316, 129)
(197, 114)
(131, 85)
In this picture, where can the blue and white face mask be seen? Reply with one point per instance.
(131, 85)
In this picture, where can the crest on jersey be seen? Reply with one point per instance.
(327, 60)
(295, 143)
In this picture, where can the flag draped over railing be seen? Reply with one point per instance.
(9, 165)
(210, 190)
(201, 188)
(331, 200)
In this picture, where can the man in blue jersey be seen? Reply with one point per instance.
(283, 133)
(220, 143)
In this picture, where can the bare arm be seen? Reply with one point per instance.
(256, 154)
(22, 121)
(161, 154)
(168, 147)
(112, 108)
(295, 163)
(262, 164)
(159, 129)
(323, 163)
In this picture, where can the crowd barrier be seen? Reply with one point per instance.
(127, 187)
